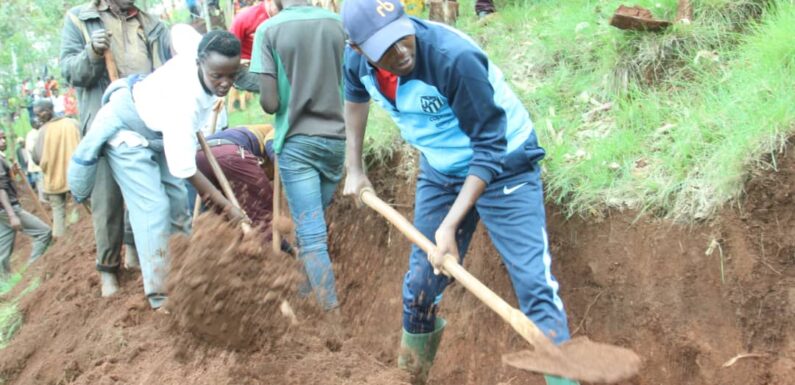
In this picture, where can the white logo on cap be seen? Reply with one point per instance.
(384, 6)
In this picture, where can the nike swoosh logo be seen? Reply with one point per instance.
(508, 191)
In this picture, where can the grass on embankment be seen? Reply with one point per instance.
(10, 318)
(668, 122)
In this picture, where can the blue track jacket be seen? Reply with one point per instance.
(455, 107)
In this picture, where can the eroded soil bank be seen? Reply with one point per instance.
(688, 299)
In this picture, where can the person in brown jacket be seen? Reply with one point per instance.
(58, 138)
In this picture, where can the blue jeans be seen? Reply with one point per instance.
(512, 208)
(310, 168)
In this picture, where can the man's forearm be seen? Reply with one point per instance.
(355, 125)
(470, 192)
(269, 94)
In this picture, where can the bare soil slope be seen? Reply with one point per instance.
(647, 284)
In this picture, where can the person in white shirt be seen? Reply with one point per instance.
(58, 106)
(149, 126)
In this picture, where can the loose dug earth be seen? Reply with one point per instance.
(645, 284)
(230, 293)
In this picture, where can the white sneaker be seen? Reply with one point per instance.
(110, 284)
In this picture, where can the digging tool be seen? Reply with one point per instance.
(110, 65)
(86, 208)
(197, 206)
(32, 193)
(578, 359)
(277, 207)
(285, 307)
(219, 175)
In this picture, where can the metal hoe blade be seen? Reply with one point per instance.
(579, 359)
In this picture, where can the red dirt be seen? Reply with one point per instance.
(640, 283)
(229, 294)
(637, 18)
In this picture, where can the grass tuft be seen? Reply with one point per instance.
(10, 317)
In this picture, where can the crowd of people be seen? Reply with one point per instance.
(148, 95)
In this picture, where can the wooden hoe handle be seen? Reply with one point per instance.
(277, 207)
(197, 206)
(110, 65)
(219, 174)
(518, 321)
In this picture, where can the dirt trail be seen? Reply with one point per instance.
(641, 283)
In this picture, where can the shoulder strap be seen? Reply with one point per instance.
(81, 25)
(109, 62)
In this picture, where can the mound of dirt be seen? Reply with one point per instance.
(71, 335)
(228, 289)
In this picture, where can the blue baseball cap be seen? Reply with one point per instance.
(374, 25)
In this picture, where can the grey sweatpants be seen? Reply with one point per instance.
(32, 226)
(107, 214)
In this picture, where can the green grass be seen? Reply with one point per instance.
(9, 283)
(253, 114)
(669, 123)
(10, 321)
(10, 317)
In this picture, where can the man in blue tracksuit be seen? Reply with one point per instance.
(479, 161)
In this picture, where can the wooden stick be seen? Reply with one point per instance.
(197, 206)
(518, 321)
(277, 207)
(32, 193)
(219, 175)
(110, 65)
(86, 208)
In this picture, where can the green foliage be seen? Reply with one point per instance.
(29, 42)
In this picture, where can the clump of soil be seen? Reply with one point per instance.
(229, 289)
(637, 18)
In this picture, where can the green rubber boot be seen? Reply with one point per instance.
(554, 380)
(417, 352)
